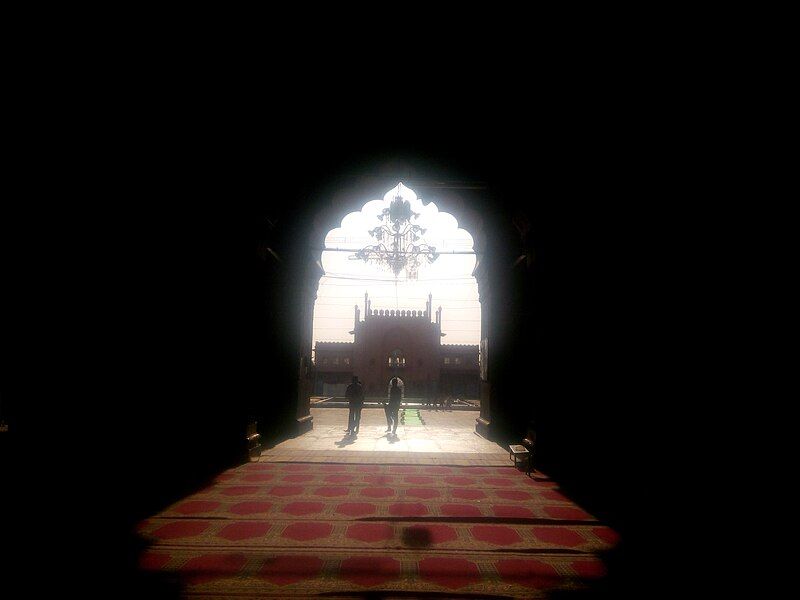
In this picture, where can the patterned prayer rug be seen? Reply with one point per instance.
(303, 529)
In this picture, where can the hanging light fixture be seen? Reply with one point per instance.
(400, 245)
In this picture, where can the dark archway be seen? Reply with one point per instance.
(200, 285)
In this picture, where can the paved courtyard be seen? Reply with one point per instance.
(442, 437)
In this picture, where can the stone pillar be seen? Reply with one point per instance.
(305, 376)
(484, 422)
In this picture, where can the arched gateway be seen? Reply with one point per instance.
(503, 285)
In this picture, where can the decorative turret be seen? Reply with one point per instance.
(429, 306)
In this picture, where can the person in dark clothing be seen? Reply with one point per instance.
(355, 398)
(395, 399)
(385, 403)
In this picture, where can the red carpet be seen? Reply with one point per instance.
(284, 529)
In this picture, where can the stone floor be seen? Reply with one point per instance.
(444, 437)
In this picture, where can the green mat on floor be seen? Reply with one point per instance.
(411, 417)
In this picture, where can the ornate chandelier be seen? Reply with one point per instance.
(399, 243)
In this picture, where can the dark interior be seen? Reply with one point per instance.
(191, 332)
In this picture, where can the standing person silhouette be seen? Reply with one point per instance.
(385, 404)
(355, 398)
(395, 399)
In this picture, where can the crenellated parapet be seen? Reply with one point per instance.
(383, 313)
(401, 314)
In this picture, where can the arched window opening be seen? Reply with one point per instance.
(396, 359)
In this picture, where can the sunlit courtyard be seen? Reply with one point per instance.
(425, 436)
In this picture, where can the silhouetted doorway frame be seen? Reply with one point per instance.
(495, 245)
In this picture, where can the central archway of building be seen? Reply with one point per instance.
(441, 413)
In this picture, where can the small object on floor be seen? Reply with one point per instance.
(530, 443)
(253, 441)
(518, 451)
